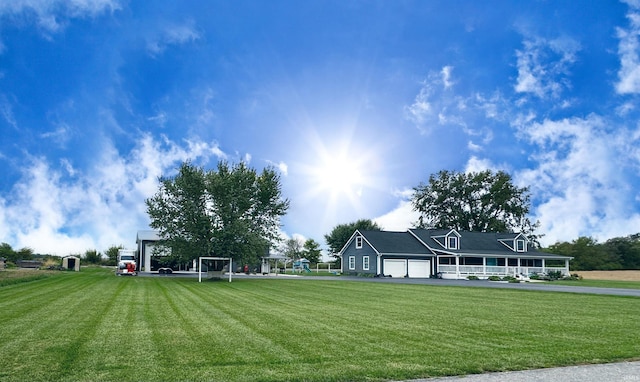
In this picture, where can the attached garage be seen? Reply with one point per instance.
(419, 268)
(395, 267)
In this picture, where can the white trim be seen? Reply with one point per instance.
(365, 265)
(352, 263)
(359, 241)
(455, 240)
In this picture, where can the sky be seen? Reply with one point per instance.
(354, 103)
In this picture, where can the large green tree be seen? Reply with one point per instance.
(477, 201)
(292, 249)
(232, 211)
(112, 254)
(339, 235)
(311, 251)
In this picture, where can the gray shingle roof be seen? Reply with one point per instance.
(479, 243)
(395, 242)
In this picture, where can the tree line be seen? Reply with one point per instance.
(90, 256)
(588, 255)
(234, 211)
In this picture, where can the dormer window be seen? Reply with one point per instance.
(452, 242)
(521, 246)
(358, 242)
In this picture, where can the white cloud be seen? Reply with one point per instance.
(176, 34)
(60, 135)
(426, 111)
(281, 166)
(6, 110)
(446, 76)
(475, 164)
(62, 210)
(583, 178)
(628, 49)
(543, 66)
(436, 105)
(402, 217)
(51, 15)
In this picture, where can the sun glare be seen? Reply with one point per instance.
(339, 173)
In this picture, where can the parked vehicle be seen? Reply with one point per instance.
(126, 262)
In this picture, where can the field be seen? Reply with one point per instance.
(610, 275)
(93, 326)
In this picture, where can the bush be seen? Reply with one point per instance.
(573, 277)
(494, 278)
(472, 277)
(554, 275)
(509, 278)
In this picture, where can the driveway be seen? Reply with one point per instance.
(621, 371)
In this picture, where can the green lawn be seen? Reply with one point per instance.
(600, 283)
(93, 326)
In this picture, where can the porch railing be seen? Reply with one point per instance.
(479, 270)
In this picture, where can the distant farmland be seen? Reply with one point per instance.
(611, 275)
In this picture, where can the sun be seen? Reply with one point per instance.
(338, 173)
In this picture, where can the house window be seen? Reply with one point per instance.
(495, 262)
(530, 262)
(352, 262)
(520, 246)
(358, 242)
(471, 261)
(447, 260)
(452, 242)
(365, 263)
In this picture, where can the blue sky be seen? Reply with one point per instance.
(354, 102)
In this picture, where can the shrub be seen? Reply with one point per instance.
(508, 278)
(573, 277)
(494, 278)
(555, 275)
(472, 277)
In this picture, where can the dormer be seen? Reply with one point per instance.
(452, 240)
(449, 241)
(517, 243)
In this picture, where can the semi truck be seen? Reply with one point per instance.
(126, 262)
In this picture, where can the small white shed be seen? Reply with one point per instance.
(71, 262)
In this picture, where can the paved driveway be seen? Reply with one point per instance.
(620, 372)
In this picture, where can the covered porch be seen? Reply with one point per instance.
(460, 267)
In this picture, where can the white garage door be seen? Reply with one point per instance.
(419, 268)
(395, 267)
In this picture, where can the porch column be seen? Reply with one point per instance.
(457, 267)
(544, 266)
(378, 264)
(566, 266)
(518, 270)
(484, 266)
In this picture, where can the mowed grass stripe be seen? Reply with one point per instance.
(95, 326)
